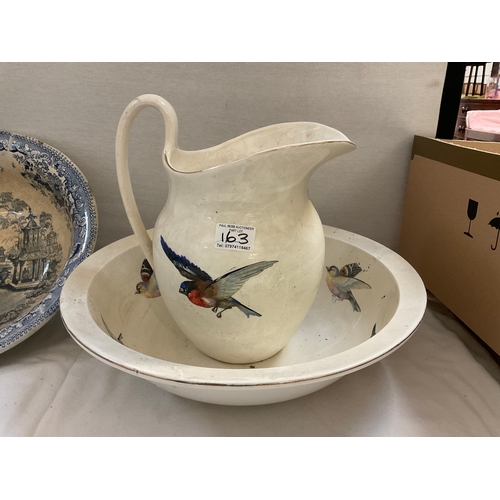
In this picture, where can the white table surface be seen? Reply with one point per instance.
(442, 382)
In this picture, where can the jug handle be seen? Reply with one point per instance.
(122, 169)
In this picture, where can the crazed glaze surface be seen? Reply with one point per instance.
(138, 335)
(238, 250)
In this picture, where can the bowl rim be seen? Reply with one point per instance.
(81, 326)
(84, 219)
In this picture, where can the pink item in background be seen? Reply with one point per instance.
(484, 120)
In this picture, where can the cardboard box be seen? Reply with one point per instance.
(451, 226)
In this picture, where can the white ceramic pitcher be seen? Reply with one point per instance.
(238, 249)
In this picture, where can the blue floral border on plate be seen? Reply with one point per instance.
(51, 163)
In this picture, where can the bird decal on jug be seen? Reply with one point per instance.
(216, 294)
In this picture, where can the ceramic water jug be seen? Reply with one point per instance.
(238, 249)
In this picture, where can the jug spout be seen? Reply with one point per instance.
(302, 143)
(272, 161)
(318, 145)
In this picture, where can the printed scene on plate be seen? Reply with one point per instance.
(35, 238)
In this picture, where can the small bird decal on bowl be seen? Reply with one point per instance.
(341, 281)
(216, 294)
(148, 287)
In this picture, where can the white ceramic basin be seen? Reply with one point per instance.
(137, 335)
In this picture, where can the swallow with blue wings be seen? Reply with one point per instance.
(216, 294)
(342, 281)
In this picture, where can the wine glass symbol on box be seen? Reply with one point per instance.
(471, 213)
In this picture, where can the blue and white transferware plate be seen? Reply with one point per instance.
(48, 226)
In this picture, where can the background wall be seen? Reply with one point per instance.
(75, 107)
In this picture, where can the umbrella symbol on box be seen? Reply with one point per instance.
(495, 222)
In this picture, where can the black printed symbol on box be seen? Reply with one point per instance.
(495, 222)
(471, 213)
